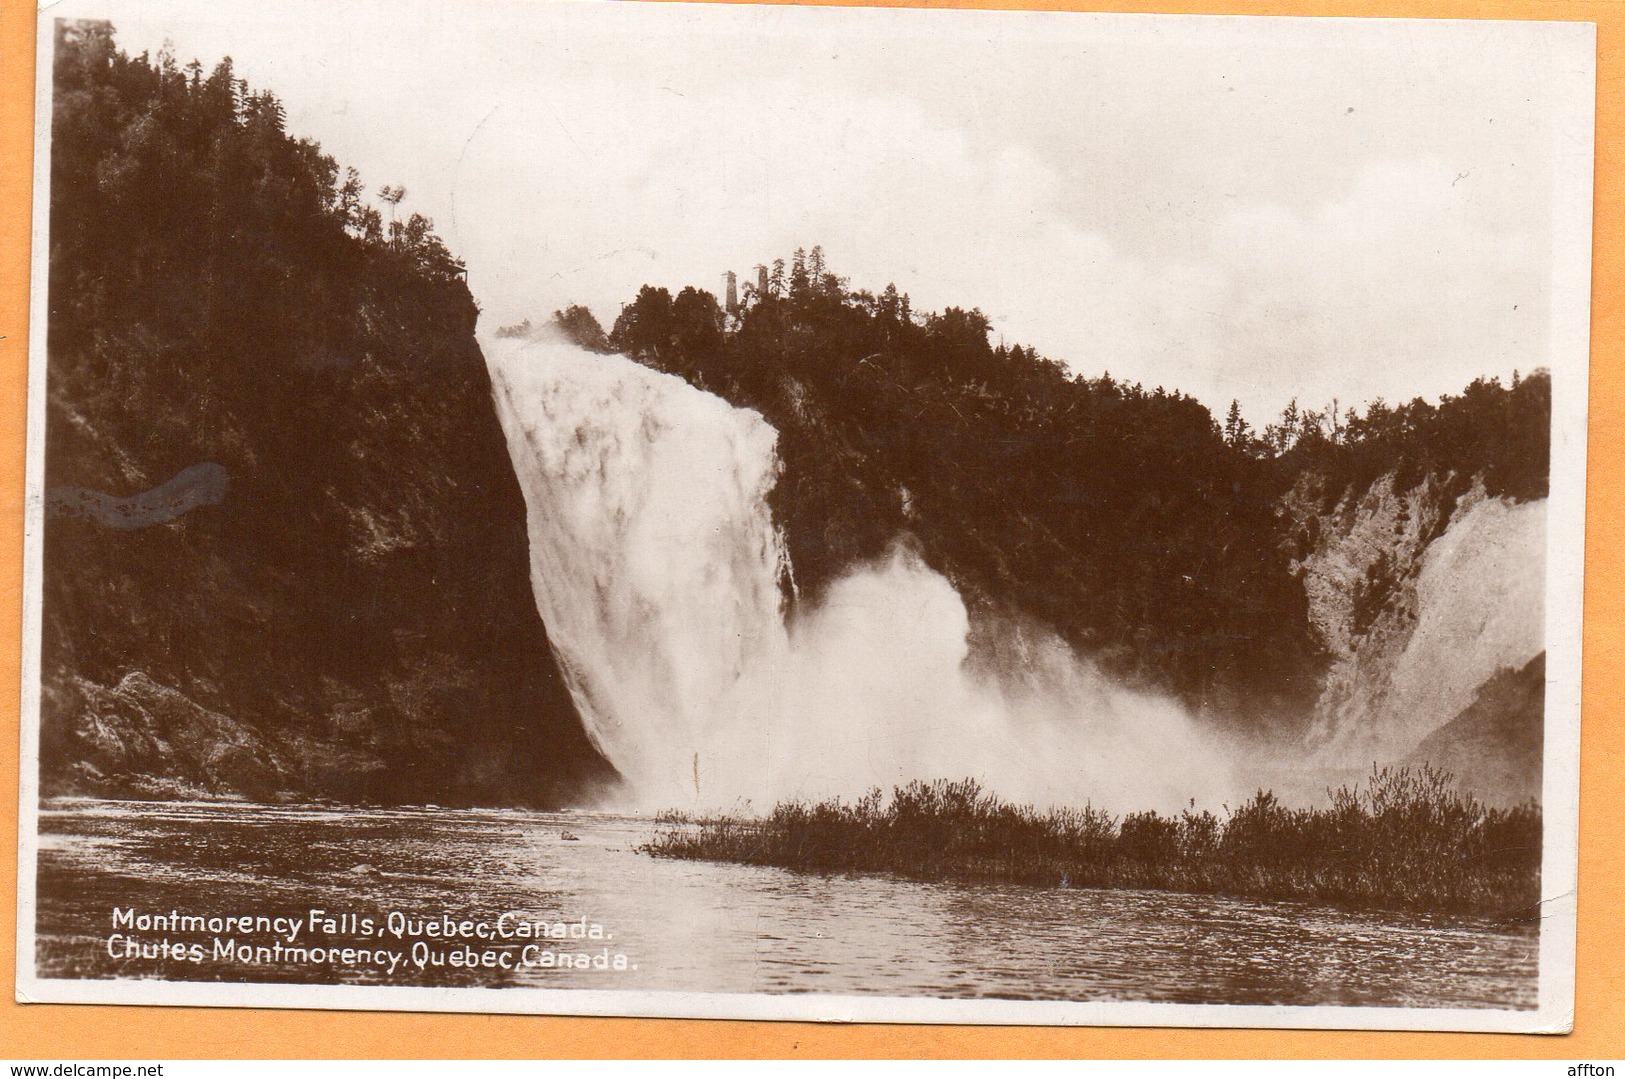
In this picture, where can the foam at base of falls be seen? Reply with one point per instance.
(656, 567)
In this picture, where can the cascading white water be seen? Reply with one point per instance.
(656, 567)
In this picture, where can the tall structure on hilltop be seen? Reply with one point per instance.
(732, 291)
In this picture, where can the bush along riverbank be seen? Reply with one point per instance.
(1402, 840)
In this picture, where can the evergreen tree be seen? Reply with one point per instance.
(798, 275)
(1238, 433)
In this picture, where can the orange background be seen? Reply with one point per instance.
(67, 1032)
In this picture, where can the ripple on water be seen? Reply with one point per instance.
(694, 926)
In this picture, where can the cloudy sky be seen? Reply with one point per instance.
(1252, 208)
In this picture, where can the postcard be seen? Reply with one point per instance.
(807, 513)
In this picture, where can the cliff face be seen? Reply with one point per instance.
(285, 553)
(354, 614)
(1431, 607)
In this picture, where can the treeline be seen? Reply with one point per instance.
(1127, 518)
(1500, 435)
(1403, 840)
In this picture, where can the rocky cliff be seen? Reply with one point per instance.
(1430, 605)
(285, 553)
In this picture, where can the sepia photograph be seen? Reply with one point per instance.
(732, 511)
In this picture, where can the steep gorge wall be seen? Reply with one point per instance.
(1422, 599)
(352, 617)
(285, 553)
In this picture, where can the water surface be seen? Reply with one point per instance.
(698, 926)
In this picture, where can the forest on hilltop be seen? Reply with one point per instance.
(1128, 519)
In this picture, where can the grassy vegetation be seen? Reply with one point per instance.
(1404, 839)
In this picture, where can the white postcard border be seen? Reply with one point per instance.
(1569, 349)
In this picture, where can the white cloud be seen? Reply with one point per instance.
(1401, 284)
(1251, 208)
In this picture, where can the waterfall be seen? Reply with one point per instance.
(656, 567)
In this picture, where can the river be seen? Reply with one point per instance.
(689, 926)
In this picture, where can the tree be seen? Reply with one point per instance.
(350, 205)
(372, 225)
(393, 196)
(644, 328)
(581, 327)
(1237, 431)
(820, 280)
(1284, 434)
(798, 274)
(890, 303)
(697, 322)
